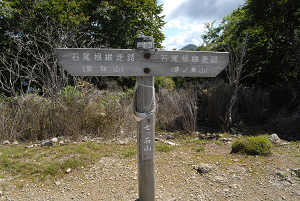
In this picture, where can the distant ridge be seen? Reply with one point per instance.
(189, 47)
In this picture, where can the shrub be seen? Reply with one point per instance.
(163, 83)
(74, 111)
(259, 145)
(200, 149)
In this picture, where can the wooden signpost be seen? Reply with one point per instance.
(144, 62)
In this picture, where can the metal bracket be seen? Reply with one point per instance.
(145, 45)
(145, 51)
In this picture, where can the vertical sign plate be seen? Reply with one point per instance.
(148, 141)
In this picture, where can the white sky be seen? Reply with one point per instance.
(185, 19)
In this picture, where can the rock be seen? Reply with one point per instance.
(170, 143)
(208, 136)
(226, 190)
(219, 179)
(54, 140)
(1, 193)
(6, 142)
(234, 186)
(166, 142)
(57, 183)
(29, 146)
(297, 171)
(274, 139)
(202, 136)
(226, 139)
(170, 137)
(47, 143)
(281, 174)
(15, 143)
(204, 168)
(289, 180)
(68, 170)
(84, 139)
(122, 143)
(98, 139)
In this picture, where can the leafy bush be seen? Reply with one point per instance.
(200, 149)
(163, 83)
(255, 145)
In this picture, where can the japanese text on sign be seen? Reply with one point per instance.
(102, 57)
(147, 139)
(191, 59)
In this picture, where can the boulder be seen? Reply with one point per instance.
(84, 139)
(170, 137)
(54, 140)
(6, 142)
(274, 139)
(204, 168)
(47, 143)
(297, 171)
(208, 136)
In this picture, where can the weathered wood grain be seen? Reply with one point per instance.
(146, 140)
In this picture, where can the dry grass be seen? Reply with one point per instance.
(72, 112)
(85, 110)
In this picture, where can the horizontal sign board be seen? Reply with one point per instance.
(128, 62)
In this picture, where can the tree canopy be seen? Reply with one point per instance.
(273, 43)
(31, 30)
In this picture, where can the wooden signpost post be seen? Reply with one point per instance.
(144, 62)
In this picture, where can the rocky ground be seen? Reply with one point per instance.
(232, 177)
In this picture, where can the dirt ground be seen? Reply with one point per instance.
(233, 177)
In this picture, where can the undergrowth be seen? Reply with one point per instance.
(254, 145)
(160, 146)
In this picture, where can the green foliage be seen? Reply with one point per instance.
(219, 143)
(163, 83)
(273, 28)
(200, 149)
(277, 24)
(69, 94)
(255, 145)
(120, 21)
(43, 162)
(129, 151)
(32, 30)
(160, 146)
